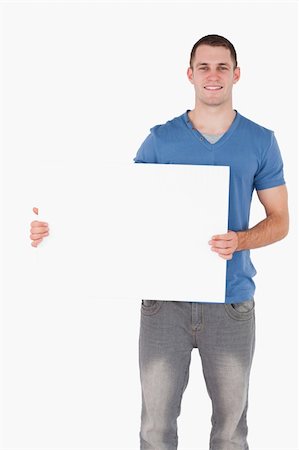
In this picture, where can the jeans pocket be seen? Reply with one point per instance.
(150, 307)
(241, 311)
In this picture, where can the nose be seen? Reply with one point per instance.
(213, 75)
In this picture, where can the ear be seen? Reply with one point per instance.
(237, 74)
(190, 75)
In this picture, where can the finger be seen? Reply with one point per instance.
(224, 255)
(36, 236)
(220, 244)
(227, 257)
(39, 228)
(226, 237)
(36, 243)
(36, 231)
(39, 222)
(225, 251)
(222, 251)
(35, 210)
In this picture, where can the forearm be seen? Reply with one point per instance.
(272, 229)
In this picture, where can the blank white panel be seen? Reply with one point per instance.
(122, 231)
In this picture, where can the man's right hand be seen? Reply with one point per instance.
(38, 230)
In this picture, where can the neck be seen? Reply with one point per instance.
(212, 120)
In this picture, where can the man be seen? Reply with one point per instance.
(213, 133)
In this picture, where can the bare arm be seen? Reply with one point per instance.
(273, 228)
(276, 225)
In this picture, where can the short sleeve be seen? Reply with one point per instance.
(270, 173)
(147, 151)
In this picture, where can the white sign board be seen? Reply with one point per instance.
(121, 231)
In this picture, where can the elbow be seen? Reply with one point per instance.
(283, 234)
(286, 232)
(284, 229)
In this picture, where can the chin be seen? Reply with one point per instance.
(213, 103)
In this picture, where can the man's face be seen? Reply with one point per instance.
(213, 75)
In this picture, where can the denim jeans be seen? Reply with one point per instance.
(224, 335)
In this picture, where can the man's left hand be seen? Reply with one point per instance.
(224, 244)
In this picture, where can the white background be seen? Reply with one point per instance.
(83, 83)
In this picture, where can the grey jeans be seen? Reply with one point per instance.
(225, 336)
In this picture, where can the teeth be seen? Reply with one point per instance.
(213, 88)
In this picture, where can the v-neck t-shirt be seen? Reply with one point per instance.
(212, 138)
(252, 153)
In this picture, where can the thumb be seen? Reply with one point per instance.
(35, 210)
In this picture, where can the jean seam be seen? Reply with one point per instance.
(151, 310)
(235, 315)
(182, 389)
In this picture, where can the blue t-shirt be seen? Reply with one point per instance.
(252, 153)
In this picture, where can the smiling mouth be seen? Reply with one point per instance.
(213, 88)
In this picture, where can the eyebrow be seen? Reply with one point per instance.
(206, 64)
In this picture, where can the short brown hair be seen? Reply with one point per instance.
(215, 41)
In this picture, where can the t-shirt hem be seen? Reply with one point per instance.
(241, 298)
(260, 187)
(229, 300)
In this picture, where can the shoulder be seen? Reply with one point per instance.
(257, 131)
(169, 128)
(161, 136)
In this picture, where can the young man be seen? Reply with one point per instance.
(213, 133)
